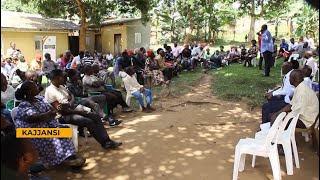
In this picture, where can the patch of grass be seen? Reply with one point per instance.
(236, 82)
(181, 85)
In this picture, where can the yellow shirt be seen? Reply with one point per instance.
(160, 62)
(306, 103)
(35, 65)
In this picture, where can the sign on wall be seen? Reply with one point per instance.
(49, 46)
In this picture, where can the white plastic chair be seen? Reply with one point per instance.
(316, 74)
(286, 139)
(259, 147)
(254, 61)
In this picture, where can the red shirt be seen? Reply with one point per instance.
(65, 60)
(259, 42)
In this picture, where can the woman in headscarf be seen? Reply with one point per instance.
(151, 69)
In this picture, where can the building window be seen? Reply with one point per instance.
(137, 37)
(38, 42)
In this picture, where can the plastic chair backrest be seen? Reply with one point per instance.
(292, 127)
(273, 130)
(10, 104)
(13, 113)
(293, 56)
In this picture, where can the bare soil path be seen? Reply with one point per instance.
(189, 137)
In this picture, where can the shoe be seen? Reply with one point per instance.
(126, 109)
(79, 162)
(114, 123)
(112, 115)
(83, 135)
(111, 144)
(150, 108)
(264, 75)
(146, 110)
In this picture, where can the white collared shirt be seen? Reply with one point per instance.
(286, 89)
(131, 84)
(306, 103)
(59, 94)
(176, 51)
(109, 57)
(292, 46)
(312, 64)
(308, 81)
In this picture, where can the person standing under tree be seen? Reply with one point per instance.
(259, 47)
(246, 38)
(266, 49)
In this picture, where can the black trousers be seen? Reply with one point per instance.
(93, 122)
(167, 72)
(260, 61)
(271, 107)
(113, 98)
(267, 56)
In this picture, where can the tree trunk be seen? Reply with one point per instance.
(276, 27)
(205, 30)
(198, 32)
(290, 28)
(83, 26)
(252, 22)
(187, 38)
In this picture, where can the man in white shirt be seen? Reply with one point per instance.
(310, 41)
(308, 56)
(109, 56)
(176, 50)
(279, 98)
(92, 83)
(12, 51)
(77, 60)
(292, 45)
(307, 73)
(305, 102)
(131, 84)
(61, 99)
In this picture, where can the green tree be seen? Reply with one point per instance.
(258, 9)
(17, 6)
(307, 20)
(90, 12)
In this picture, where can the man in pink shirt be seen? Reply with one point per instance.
(68, 57)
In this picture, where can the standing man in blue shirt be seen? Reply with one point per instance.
(266, 49)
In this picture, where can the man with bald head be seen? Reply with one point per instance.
(304, 101)
(31, 75)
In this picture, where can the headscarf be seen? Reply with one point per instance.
(129, 52)
(150, 53)
(38, 57)
(136, 50)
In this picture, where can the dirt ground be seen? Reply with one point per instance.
(189, 137)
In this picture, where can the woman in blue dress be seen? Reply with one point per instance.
(35, 112)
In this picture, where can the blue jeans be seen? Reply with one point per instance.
(147, 93)
(7, 114)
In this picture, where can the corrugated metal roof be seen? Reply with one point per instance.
(118, 21)
(19, 20)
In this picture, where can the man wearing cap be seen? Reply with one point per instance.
(36, 66)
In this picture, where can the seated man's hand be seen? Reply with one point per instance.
(96, 84)
(269, 96)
